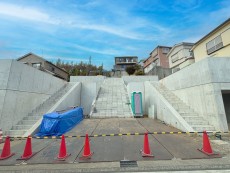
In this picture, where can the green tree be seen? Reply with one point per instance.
(130, 70)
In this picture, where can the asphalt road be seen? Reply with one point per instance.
(112, 148)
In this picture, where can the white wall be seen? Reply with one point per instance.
(199, 86)
(24, 88)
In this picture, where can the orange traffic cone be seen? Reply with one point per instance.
(207, 149)
(6, 153)
(146, 149)
(86, 153)
(27, 150)
(62, 151)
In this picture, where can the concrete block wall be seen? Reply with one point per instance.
(200, 84)
(22, 88)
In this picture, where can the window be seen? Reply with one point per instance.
(214, 45)
(165, 50)
(36, 65)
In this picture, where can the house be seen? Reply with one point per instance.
(44, 65)
(157, 58)
(215, 44)
(122, 62)
(180, 56)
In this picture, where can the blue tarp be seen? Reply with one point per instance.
(56, 123)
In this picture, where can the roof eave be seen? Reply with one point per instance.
(210, 33)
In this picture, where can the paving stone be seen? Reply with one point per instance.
(112, 99)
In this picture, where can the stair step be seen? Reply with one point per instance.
(181, 111)
(21, 127)
(194, 122)
(180, 106)
(190, 118)
(187, 114)
(32, 118)
(27, 122)
(202, 128)
(14, 133)
(174, 99)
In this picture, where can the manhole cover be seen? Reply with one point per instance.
(127, 163)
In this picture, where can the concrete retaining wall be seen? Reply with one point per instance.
(89, 79)
(88, 95)
(163, 110)
(90, 87)
(200, 84)
(22, 88)
(71, 98)
(128, 79)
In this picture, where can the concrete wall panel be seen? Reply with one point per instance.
(88, 95)
(22, 89)
(72, 98)
(163, 110)
(200, 86)
(17, 105)
(87, 78)
(128, 79)
(5, 66)
(2, 99)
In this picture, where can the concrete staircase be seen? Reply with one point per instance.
(197, 122)
(31, 118)
(112, 100)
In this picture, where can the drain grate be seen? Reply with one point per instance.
(127, 163)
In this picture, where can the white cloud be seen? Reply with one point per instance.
(101, 51)
(80, 21)
(26, 13)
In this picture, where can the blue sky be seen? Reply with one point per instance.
(74, 30)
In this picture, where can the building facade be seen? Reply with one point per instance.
(180, 56)
(214, 44)
(158, 57)
(44, 65)
(122, 62)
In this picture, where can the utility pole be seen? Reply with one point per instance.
(90, 60)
